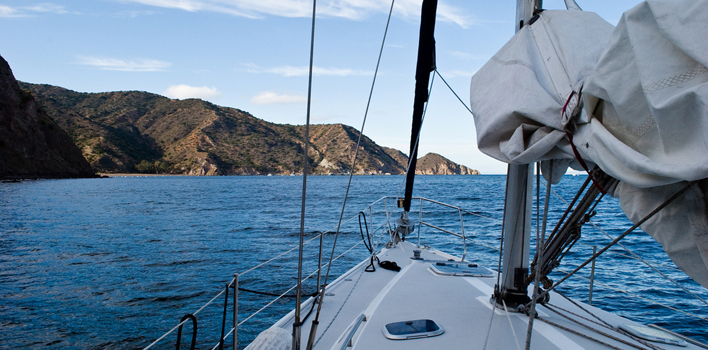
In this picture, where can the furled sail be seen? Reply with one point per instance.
(634, 99)
(518, 95)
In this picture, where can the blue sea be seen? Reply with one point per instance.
(115, 263)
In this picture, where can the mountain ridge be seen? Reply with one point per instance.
(129, 131)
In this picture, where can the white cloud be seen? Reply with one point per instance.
(26, 11)
(47, 8)
(7, 11)
(107, 63)
(185, 91)
(269, 97)
(351, 9)
(290, 71)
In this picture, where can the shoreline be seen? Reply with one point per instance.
(152, 175)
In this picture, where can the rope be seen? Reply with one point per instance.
(453, 91)
(540, 246)
(480, 215)
(577, 333)
(508, 317)
(183, 321)
(639, 297)
(293, 287)
(603, 324)
(631, 257)
(248, 290)
(340, 309)
(489, 328)
(637, 257)
(279, 255)
(647, 217)
(306, 162)
(351, 172)
(551, 308)
(274, 294)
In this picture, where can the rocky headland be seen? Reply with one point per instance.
(32, 145)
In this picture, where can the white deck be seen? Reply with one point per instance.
(460, 305)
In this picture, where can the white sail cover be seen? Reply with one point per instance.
(642, 116)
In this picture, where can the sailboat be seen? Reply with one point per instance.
(626, 104)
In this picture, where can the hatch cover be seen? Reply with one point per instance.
(412, 329)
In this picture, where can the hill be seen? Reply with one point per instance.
(435, 164)
(134, 131)
(32, 145)
(137, 131)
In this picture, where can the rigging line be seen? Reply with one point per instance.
(351, 172)
(638, 297)
(611, 252)
(570, 330)
(305, 166)
(637, 257)
(616, 330)
(553, 309)
(508, 317)
(480, 215)
(233, 328)
(417, 139)
(293, 287)
(273, 294)
(279, 255)
(647, 217)
(540, 246)
(631, 257)
(489, 329)
(605, 325)
(181, 323)
(452, 90)
(340, 309)
(241, 274)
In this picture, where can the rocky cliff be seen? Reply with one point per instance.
(32, 145)
(435, 164)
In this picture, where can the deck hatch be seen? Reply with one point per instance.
(460, 269)
(412, 329)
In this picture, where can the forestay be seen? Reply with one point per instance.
(634, 99)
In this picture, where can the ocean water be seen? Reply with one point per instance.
(115, 263)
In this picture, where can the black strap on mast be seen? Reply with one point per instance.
(426, 64)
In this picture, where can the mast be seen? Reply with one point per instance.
(512, 289)
(425, 65)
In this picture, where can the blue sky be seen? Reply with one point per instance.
(253, 55)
